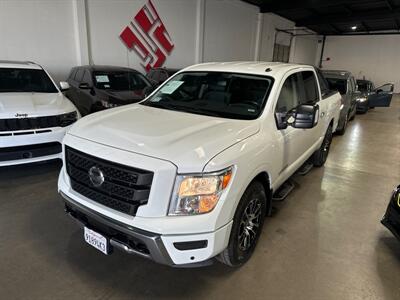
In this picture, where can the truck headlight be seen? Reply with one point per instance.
(198, 193)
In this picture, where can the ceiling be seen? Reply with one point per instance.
(337, 17)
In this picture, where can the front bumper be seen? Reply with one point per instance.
(391, 219)
(24, 147)
(362, 106)
(173, 250)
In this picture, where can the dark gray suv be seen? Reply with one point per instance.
(344, 82)
(94, 88)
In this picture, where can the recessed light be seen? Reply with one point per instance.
(353, 27)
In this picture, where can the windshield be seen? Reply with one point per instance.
(337, 84)
(25, 81)
(227, 95)
(120, 81)
(362, 86)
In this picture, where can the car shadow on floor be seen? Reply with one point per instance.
(33, 170)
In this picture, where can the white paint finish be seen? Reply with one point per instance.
(375, 57)
(181, 141)
(41, 31)
(108, 18)
(230, 30)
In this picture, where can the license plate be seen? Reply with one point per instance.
(96, 240)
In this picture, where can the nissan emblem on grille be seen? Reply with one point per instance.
(96, 176)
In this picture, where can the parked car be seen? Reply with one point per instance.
(95, 88)
(371, 97)
(189, 173)
(366, 88)
(344, 82)
(34, 114)
(391, 219)
(159, 75)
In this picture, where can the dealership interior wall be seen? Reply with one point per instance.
(85, 31)
(79, 27)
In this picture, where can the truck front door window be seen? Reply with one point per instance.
(289, 95)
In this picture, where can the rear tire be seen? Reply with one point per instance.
(320, 156)
(247, 226)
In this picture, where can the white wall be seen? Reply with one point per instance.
(304, 50)
(375, 57)
(40, 31)
(108, 18)
(60, 34)
(270, 23)
(229, 30)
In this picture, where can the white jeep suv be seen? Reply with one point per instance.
(189, 173)
(34, 114)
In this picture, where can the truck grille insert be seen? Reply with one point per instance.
(114, 185)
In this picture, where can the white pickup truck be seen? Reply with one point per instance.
(189, 173)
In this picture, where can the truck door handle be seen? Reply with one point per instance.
(322, 114)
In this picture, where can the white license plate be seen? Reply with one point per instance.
(96, 240)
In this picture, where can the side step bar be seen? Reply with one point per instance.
(283, 191)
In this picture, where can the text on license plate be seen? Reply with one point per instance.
(96, 240)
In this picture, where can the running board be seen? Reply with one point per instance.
(283, 191)
(305, 168)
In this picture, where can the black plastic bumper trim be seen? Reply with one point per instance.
(153, 241)
(183, 246)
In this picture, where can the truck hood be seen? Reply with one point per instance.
(33, 104)
(187, 140)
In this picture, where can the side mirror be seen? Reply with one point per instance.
(304, 116)
(378, 91)
(64, 86)
(84, 86)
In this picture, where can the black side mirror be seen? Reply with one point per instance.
(84, 86)
(304, 116)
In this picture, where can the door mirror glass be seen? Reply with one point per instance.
(64, 86)
(84, 86)
(304, 116)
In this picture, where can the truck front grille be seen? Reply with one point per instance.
(37, 123)
(122, 188)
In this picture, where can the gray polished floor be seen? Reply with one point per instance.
(324, 241)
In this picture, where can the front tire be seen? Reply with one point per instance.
(247, 226)
(320, 156)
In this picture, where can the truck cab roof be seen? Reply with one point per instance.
(272, 69)
(13, 64)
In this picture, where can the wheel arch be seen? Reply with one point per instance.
(264, 179)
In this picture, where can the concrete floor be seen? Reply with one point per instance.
(325, 240)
